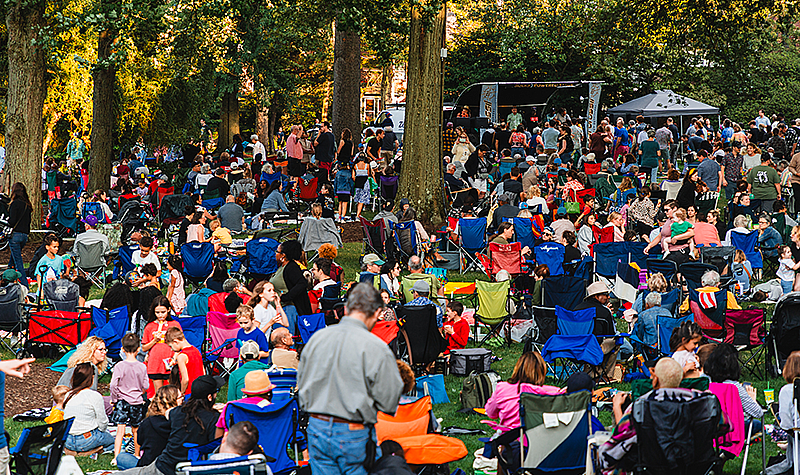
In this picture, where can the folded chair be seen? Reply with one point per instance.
(91, 262)
(555, 428)
(552, 255)
(492, 309)
(198, 262)
(709, 310)
(278, 425)
(745, 330)
(39, 449)
(248, 464)
(574, 344)
(421, 341)
(472, 240)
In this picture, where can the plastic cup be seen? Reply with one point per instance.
(769, 396)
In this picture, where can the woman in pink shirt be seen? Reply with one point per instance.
(528, 377)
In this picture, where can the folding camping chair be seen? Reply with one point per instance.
(655, 419)
(692, 273)
(285, 381)
(670, 300)
(706, 201)
(523, 231)
(387, 188)
(213, 199)
(198, 261)
(422, 341)
(306, 190)
(216, 302)
(574, 344)
(307, 325)
(606, 256)
(745, 330)
(552, 255)
(111, 326)
(194, 329)
(261, 257)
(278, 426)
(720, 257)
(592, 168)
(39, 449)
(664, 328)
(12, 322)
(91, 262)
(582, 268)
(248, 464)
(784, 332)
(331, 304)
(374, 236)
(559, 448)
(62, 218)
(668, 268)
(472, 240)
(96, 209)
(748, 243)
(124, 261)
(507, 257)
(405, 238)
(163, 192)
(222, 331)
(709, 310)
(493, 309)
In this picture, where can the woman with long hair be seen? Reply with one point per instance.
(346, 149)
(688, 191)
(93, 351)
(153, 433)
(290, 281)
(19, 218)
(90, 427)
(274, 202)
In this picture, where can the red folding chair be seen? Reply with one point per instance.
(745, 330)
(162, 192)
(582, 194)
(606, 234)
(507, 257)
(592, 168)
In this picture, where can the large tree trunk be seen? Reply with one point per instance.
(272, 125)
(421, 172)
(346, 82)
(27, 89)
(102, 138)
(229, 125)
(387, 73)
(262, 117)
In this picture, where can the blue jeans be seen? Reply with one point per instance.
(99, 438)
(334, 449)
(126, 461)
(787, 285)
(16, 244)
(292, 316)
(756, 425)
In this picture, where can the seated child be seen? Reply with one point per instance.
(57, 412)
(742, 272)
(249, 331)
(683, 342)
(150, 277)
(456, 329)
(219, 234)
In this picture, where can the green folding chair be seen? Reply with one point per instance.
(492, 299)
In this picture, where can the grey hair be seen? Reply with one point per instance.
(254, 138)
(414, 263)
(363, 298)
(740, 221)
(710, 279)
(229, 285)
(653, 299)
(205, 168)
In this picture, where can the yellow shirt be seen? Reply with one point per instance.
(732, 303)
(223, 234)
(56, 415)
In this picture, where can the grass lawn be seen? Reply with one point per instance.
(349, 259)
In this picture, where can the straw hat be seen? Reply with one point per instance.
(257, 382)
(597, 288)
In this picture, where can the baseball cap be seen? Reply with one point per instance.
(249, 349)
(205, 386)
(11, 275)
(421, 285)
(91, 220)
(373, 259)
(557, 161)
(234, 166)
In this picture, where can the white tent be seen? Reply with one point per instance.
(663, 104)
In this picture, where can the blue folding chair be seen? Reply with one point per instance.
(261, 256)
(96, 209)
(668, 268)
(607, 254)
(198, 261)
(247, 464)
(523, 231)
(405, 238)
(692, 273)
(669, 300)
(581, 268)
(563, 291)
(472, 237)
(665, 327)
(39, 449)
(748, 243)
(285, 381)
(574, 344)
(310, 324)
(552, 255)
(194, 329)
(124, 261)
(111, 326)
(63, 217)
(278, 428)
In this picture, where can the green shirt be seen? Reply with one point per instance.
(649, 156)
(763, 179)
(236, 380)
(676, 229)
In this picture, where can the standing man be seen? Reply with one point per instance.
(389, 145)
(550, 137)
(258, 148)
(514, 119)
(676, 137)
(664, 139)
(709, 171)
(762, 119)
(764, 183)
(374, 145)
(622, 141)
(732, 170)
(502, 139)
(325, 150)
(345, 376)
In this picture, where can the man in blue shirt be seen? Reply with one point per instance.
(622, 141)
(550, 137)
(421, 290)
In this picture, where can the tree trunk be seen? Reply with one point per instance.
(272, 126)
(102, 151)
(27, 89)
(387, 73)
(229, 125)
(421, 172)
(346, 82)
(262, 116)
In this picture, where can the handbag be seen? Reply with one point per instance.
(572, 207)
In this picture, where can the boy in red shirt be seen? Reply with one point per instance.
(456, 329)
(187, 357)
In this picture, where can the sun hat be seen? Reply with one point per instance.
(596, 289)
(257, 382)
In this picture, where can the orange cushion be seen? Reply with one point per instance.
(432, 449)
(410, 419)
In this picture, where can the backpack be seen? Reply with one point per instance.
(477, 389)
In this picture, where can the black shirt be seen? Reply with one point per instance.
(512, 186)
(19, 216)
(454, 183)
(374, 146)
(603, 323)
(571, 254)
(389, 139)
(179, 435)
(182, 230)
(502, 137)
(505, 211)
(325, 149)
(346, 153)
(152, 435)
(676, 135)
(217, 183)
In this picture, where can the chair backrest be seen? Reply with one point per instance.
(718, 256)
(418, 323)
(64, 211)
(277, 425)
(523, 231)
(125, 257)
(96, 209)
(582, 268)
(172, 206)
(388, 186)
(472, 233)
(606, 256)
(410, 419)
(507, 257)
(307, 189)
(562, 447)
(690, 425)
(194, 329)
(668, 268)
(39, 449)
(374, 234)
(564, 291)
(164, 191)
(551, 254)
(406, 284)
(250, 464)
(492, 300)
(669, 299)
(581, 195)
(606, 234)
(747, 243)
(665, 327)
(216, 302)
(285, 381)
(405, 237)
(592, 168)
(693, 273)
(223, 327)
(261, 255)
(61, 294)
(709, 310)
(745, 327)
(11, 297)
(90, 256)
(111, 326)
(198, 259)
(577, 322)
(310, 324)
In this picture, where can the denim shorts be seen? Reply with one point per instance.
(96, 438)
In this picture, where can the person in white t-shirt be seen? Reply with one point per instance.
(267, 307)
